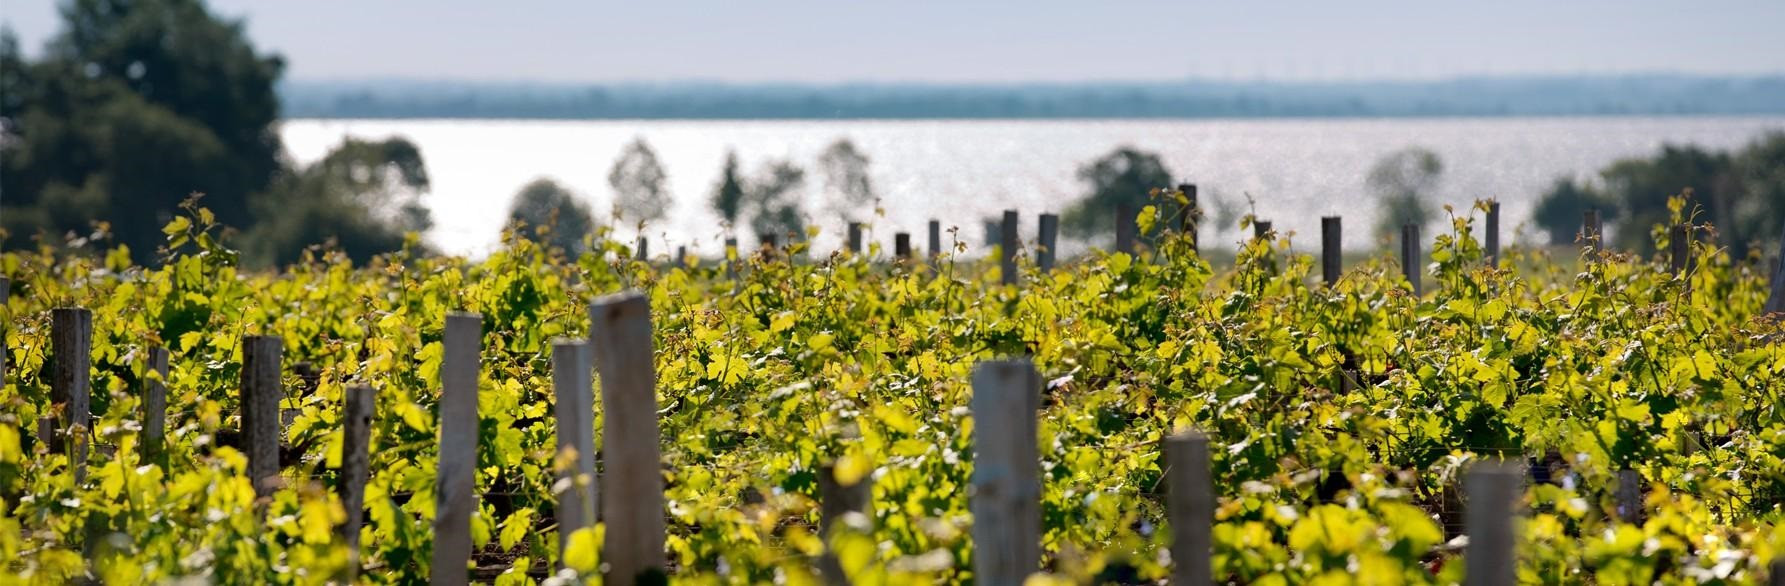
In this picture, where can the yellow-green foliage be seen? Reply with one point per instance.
(764, 379)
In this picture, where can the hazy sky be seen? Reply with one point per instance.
(973, 40)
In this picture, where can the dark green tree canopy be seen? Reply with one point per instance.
(775, 201)
(639, 181)
(138, 104)
(1124, 176)
(547, 212)
(364, 197)
(728, 195)
(1403, 183)
(848, 188)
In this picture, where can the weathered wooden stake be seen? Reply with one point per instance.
(455, 496)
(1006, 501)
(902, 245)
(1411, 257)
(836, 500)
(46, 433)
(71, 338)
(1331, 257)
(1493, 233)
(1007, 245)
(1187, 223)
(1191, 508)
(632, 500)
(154, 431)
(681, 254)
(855, 237)
(731, 258)
(1125, 228)
(1046, 238)
(1589, 230)
(1261, 228)
(262, 358)
(357, 407)
(1630, 496)
(1775, 301)
(935, 239)
(1492, 488)
(576, 488)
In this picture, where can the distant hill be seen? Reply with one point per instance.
(1488, 96)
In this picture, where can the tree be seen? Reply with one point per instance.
(728, 196)
(548, 213)
(1559, 212)
(846, 180)
(363, 197)
(775, 200)
(1125, 176)
(135, 105)
(1401, 183)
(638, 181)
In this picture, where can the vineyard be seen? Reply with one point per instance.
(821, 414)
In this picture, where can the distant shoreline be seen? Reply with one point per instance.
(1603, 96)
(1360, 118)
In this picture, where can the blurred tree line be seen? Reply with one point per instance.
(135, 105)
(1742, 193)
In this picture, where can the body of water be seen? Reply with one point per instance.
(1294, 170)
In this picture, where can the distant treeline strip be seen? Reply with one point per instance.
(1507, 96)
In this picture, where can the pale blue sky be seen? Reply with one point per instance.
(983, 41)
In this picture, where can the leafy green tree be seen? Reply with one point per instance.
(638, 179)
(1402, 182)
(847, 185)
(135, 105)
(775, 200)
(728, 196)
(363, 198)
(1560, 210)
(547, 212)
(1124, 176)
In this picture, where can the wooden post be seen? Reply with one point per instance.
(1125, 228)
(71, 338)
(455, 493)
(1187, 223)
(1261, 228)
(1493, 233)
(1006, 501)
(1778, 571)
(1191, 508)
(935, 239)
(644, 249)
(902, 245)
(1492, 488)
(1007, 244)
(575, 409)
(836, 500)
(1046, 238)
(46, 433)
(1775, 301)
(731, 258)
(1331, 256)
(261, 395)
(771, 242)
(1679, 249)
(681, 254)
(632, 501)
(855, 237)
(154, 431)
(357, 407)
(1589, 230)
(1630, 496)
(1411, 257)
